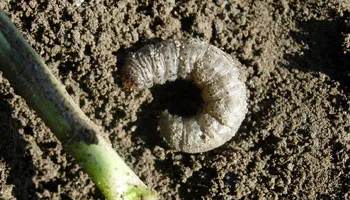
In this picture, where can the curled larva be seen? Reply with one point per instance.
(213, 71)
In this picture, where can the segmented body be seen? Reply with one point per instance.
(213, 71)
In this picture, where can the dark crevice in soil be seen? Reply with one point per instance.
(187, 23)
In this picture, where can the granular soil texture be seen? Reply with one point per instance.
(293, 144)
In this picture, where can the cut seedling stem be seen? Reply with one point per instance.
(33, 80)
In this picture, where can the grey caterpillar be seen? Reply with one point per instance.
(213, 71)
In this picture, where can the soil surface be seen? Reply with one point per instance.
(293, 144)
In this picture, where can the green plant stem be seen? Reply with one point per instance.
(33, 80)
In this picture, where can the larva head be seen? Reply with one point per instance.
(130, 82)
(133, 77)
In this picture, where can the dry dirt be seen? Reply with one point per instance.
(293, 144)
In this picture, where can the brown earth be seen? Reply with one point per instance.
(293, 144)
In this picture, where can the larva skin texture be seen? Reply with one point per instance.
(213, 71)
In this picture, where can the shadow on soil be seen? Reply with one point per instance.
(325, 52)
(13, 152)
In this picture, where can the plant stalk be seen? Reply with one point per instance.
(33, 80)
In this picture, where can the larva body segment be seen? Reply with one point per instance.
(213, 71)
